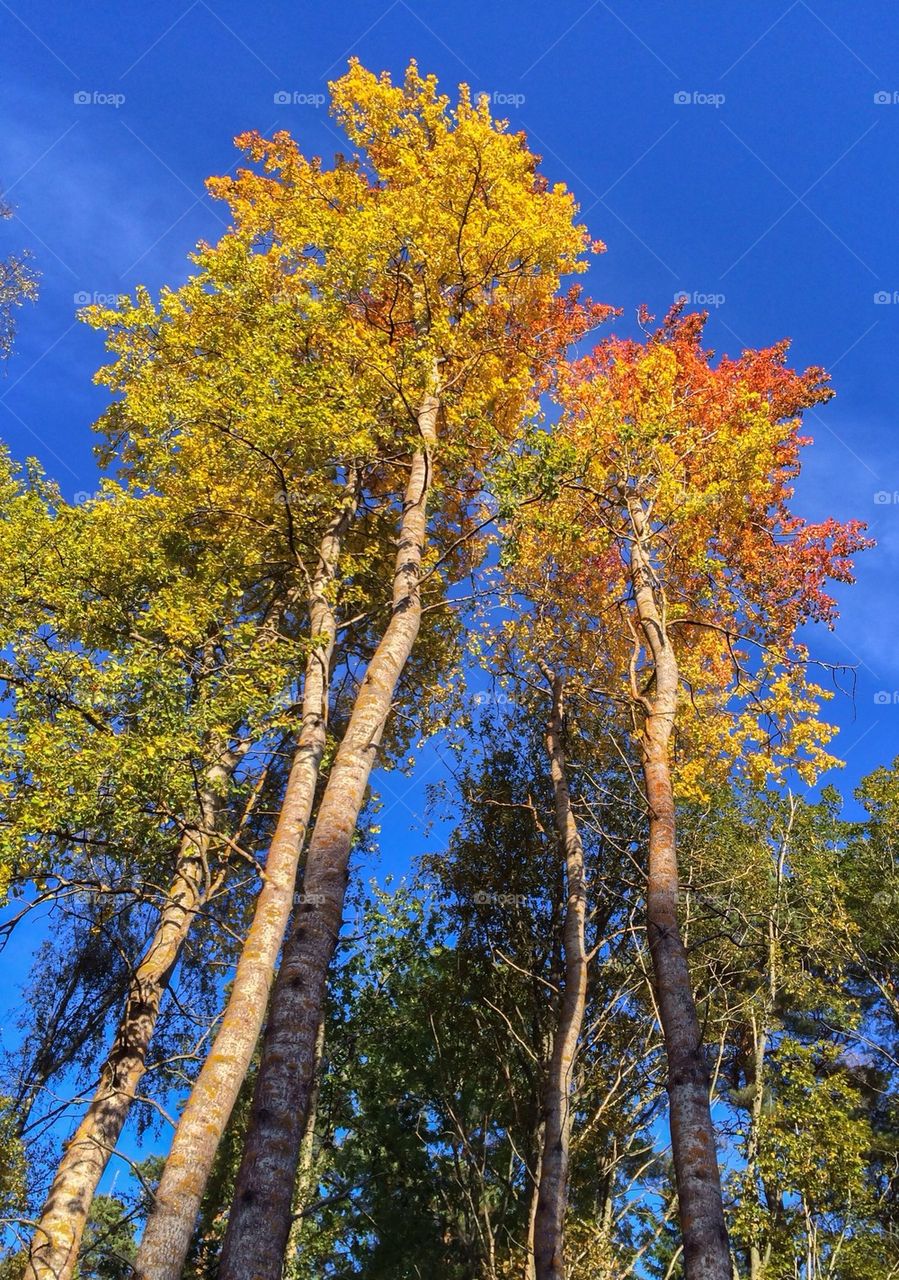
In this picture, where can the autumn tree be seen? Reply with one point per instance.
(673, 520)
(454, 310)
(135, 689)
(251, 508)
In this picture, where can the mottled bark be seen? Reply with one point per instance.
(552, 1199)
(259, 1220)
(530, 1266)
(700, 1207)
(207, 1111)
(305, 1184)
(57, 1236)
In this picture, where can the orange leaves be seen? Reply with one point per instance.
(301, 348)
(674, 472)
(436, 251)
(711, 449)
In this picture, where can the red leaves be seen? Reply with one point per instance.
(711, 448)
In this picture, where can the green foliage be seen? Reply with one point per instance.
(108, 1248)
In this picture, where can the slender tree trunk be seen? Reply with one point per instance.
(760, 1044)
(302, 1193)
(57, 1236)
(259, 1220)
(758, 1258)
(700, 1206)
(535, 1155)
(706, 1250)
(207, 1111)
(306, 1168)
(530, 1266)
(552, 1199)
(606, 1205)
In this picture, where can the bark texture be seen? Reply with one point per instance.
(703, 1230)
(303, 1192)
(530, 1266)
(259, 1220)
(207, 1111)
(57, 1236)
(552, 1198)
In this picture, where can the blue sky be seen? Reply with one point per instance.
(735, 152)
(745, 154)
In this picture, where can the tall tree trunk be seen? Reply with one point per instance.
(759, 1258)
(700, 1207)
(305, 1183)
(530, 1266)
(552, 1199)
(259, 1220)
(207, 1111)
(58, 1233)
(57, 1236)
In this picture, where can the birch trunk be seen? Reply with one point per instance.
(171, 1224)
(259, 1220)
(57, 1236)
(703, 1230)
(552, 1198)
